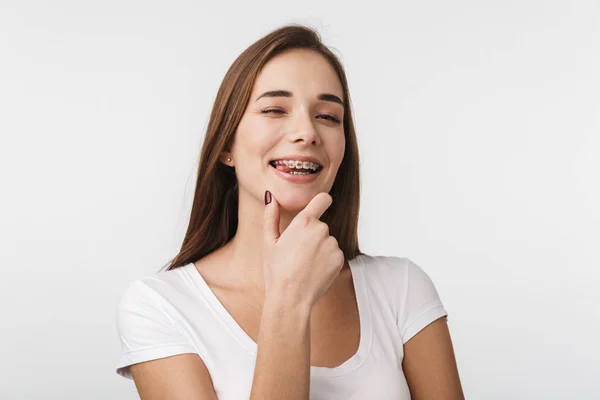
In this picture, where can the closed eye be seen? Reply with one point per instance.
(331, 118)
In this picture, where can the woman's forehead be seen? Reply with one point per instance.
(298, 72)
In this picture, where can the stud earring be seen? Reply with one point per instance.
(229, 159)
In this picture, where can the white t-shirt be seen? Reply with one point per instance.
(175, 312)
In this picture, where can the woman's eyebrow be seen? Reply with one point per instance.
(287, 93)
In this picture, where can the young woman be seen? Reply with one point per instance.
(270, 296)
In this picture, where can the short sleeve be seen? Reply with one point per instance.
(146, 329)
(421, 303)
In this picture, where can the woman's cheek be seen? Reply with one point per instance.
(266, 133)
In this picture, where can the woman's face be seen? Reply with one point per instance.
(279, 127)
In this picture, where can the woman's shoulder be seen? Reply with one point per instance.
(158, 286)
(398, 276)
(409, 289)
(386, 264)
(383, 264)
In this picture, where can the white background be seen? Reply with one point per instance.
(478, 126)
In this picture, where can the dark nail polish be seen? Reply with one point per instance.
(267, 197)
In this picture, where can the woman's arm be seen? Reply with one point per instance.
(283, 359)
(430, 366)
(183, 376)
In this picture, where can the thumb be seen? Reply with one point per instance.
(271, 219)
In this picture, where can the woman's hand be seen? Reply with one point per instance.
(304, 260)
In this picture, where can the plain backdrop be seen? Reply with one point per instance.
(479, 133)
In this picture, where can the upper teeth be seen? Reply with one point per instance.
(298, 164)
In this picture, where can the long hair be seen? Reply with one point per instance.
(214, 216)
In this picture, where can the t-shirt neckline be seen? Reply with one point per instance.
(362, 299)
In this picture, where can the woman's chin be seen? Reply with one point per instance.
(294, 205)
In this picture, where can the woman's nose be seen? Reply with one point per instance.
(302, 128)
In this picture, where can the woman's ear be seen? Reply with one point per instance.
(227, 159)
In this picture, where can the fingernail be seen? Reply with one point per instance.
(267, 197)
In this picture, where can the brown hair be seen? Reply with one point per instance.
(214, 219)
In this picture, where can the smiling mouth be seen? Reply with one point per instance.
(295, 171)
